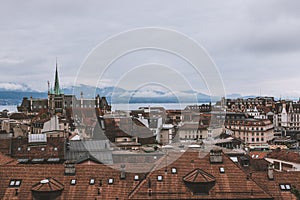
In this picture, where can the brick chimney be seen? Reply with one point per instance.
(270, 172)
(216, 156)
(123, 173)
(70, 168)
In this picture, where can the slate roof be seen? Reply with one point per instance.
(82, 149)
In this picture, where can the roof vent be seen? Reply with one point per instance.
(216, 156)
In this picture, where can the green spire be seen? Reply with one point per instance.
(56, 83)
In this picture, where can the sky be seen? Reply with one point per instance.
(254, 44)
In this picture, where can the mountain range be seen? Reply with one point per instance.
(14, 95)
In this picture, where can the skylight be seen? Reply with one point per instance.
(222, 170)
(110, 181)
(159, 178)
(92, 181)
(285, 186)
(73, 182)
(136, 177)
(174, 170)
(15, 183)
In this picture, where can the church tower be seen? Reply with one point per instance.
(56, 95)
(56, 90)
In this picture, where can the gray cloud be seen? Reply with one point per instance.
(254, 43)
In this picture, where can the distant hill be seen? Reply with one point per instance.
(113, 95)
(16, 97)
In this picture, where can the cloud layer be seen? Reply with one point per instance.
(255, 44)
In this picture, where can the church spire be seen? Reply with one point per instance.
(56, 83)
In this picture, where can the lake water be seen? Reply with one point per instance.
(135, 106)
(10, 108)
(132, 106)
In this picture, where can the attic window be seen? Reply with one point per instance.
(159, 178)
(174, 170)
(110, 181)
(73, 182)
(222, 170)
(136, 177)
(285, 187)
(15, 183)
(92, 181)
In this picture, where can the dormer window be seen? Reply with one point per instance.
(159, 178)
(92, 181)
(136, 177)
(174, 170)
(110, 181)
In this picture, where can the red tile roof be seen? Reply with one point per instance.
(5, 160)
(232, 184)
(285, 155)
(272, 187)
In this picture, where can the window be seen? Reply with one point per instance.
(73, 182)
(285, 186)
(15, 183)
(110, 181)
(43, 149)
(28, 149)
(136, 177)
(159, 178)
(222, 170)
(174, 170)
(92, 181)
(19, 148)
(55, 148)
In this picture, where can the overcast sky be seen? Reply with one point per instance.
(255, 44)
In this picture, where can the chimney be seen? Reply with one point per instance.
(123, 174)
(31, 102)
(270, 172)
(216, 156)
(70, 168)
